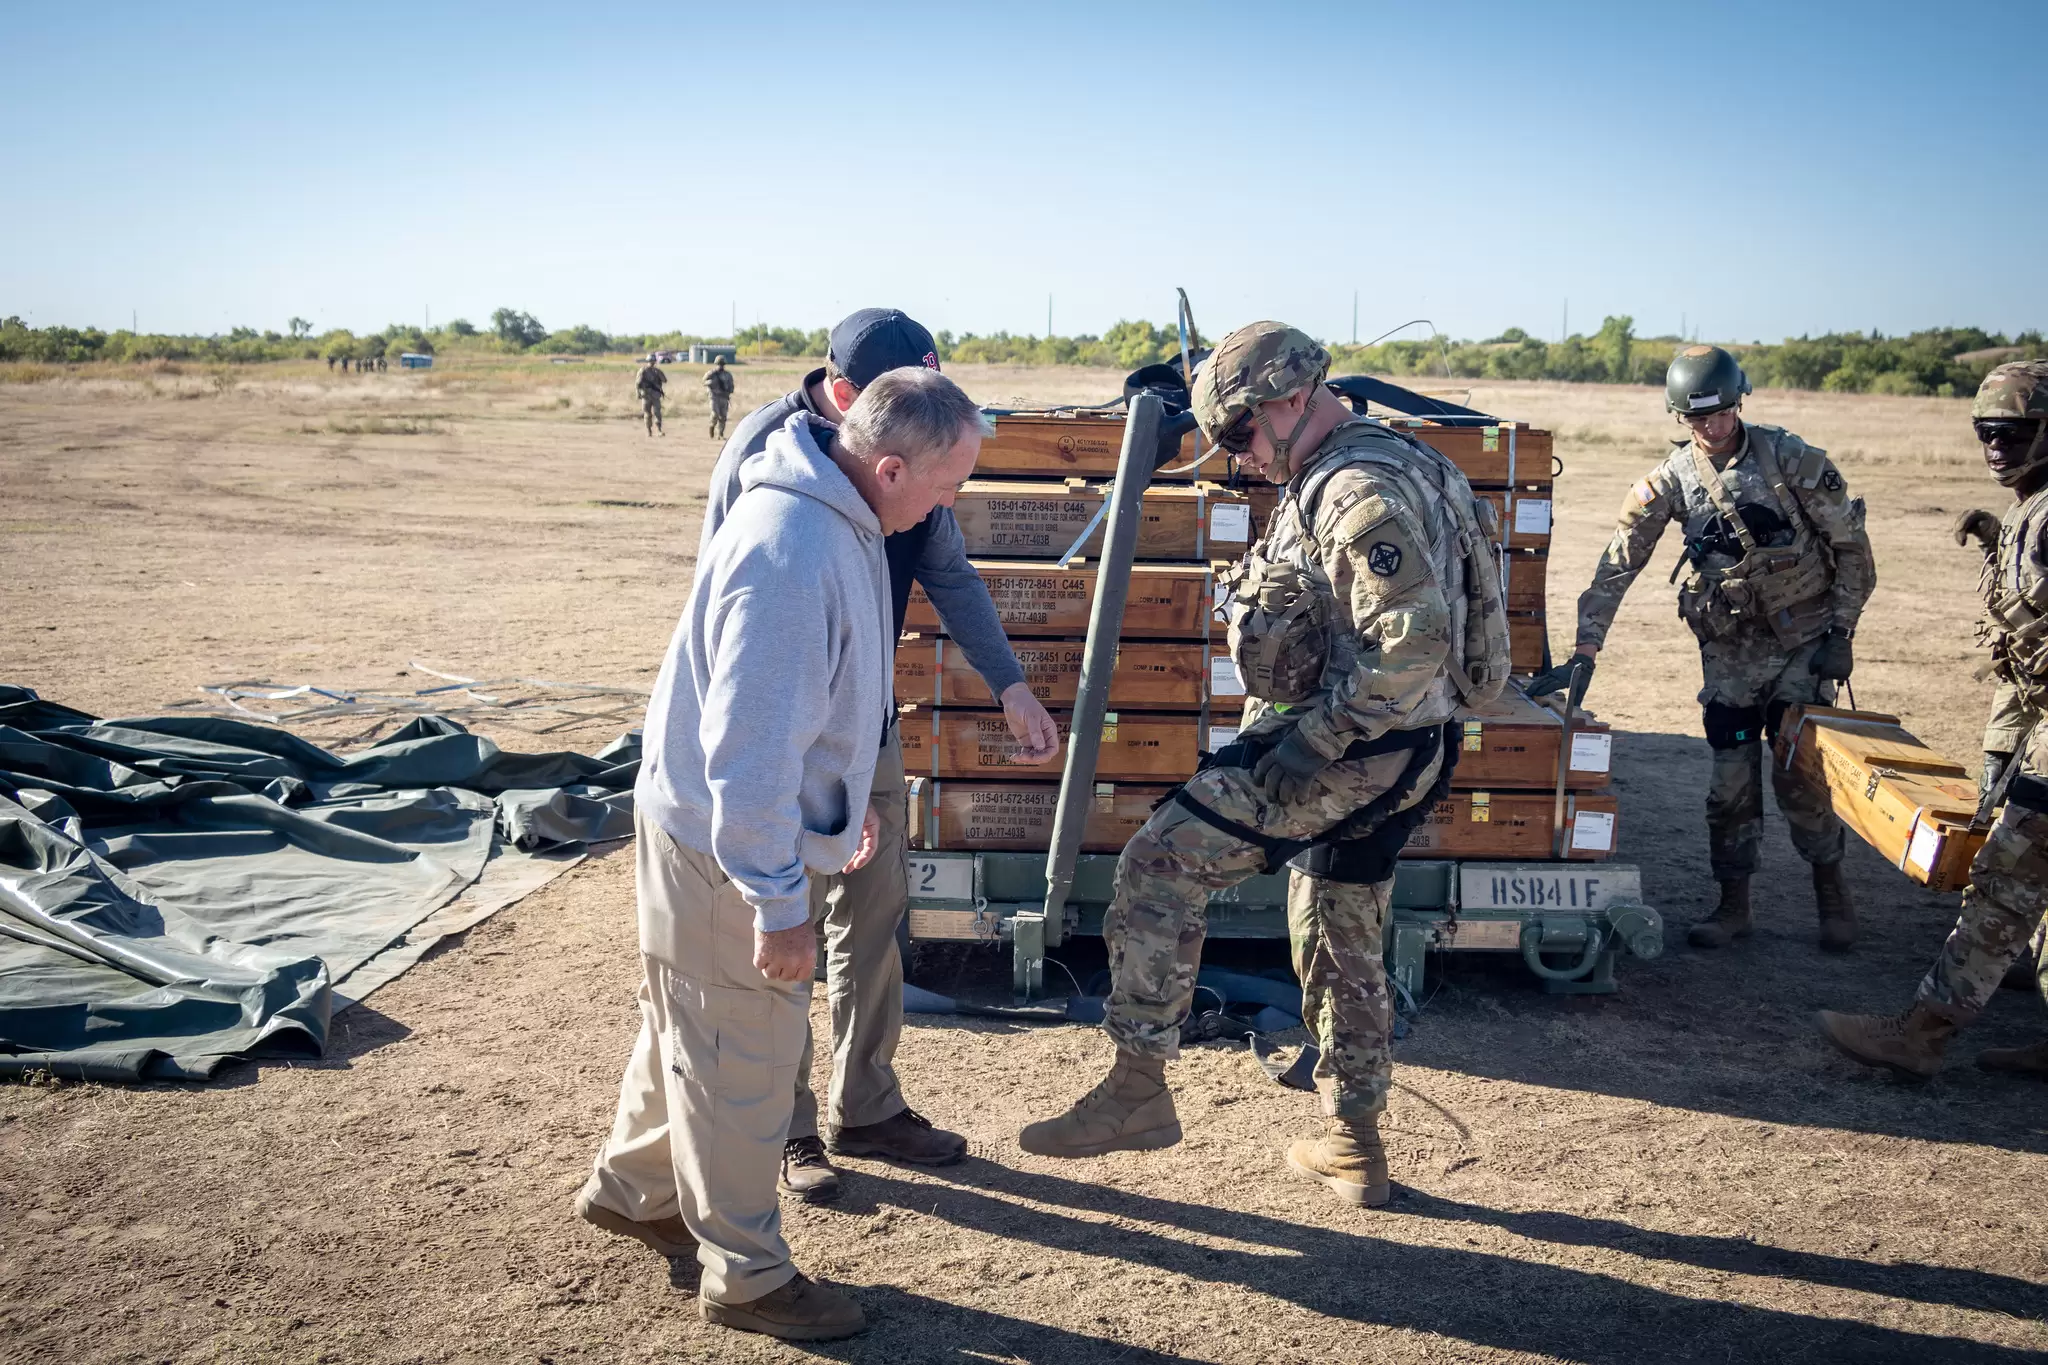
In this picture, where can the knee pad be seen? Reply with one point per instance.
(1731, 727)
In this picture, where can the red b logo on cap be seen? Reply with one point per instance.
(931, 360)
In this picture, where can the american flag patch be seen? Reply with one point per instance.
(1645, 493)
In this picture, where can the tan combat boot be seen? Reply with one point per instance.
(1910, 1044)
(796, 1311)
(1130, 1110)
(1350, 1159)
(1729, 921)
(1837, 911)
(2018, 1061)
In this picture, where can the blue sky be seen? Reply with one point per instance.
(1757, 170)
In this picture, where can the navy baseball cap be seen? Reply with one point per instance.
(870, 343)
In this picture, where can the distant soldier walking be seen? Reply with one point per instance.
(1360, 623)
(718, 382)
(1777, 569)
(2008, 893)
(650, 386)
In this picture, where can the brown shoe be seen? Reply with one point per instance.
(670, 1236)
(1837, 911)
(1729, 921)
(907, 1136)
(806, 1173)
(1350, 1159)
(2017, 1061)
(797, 1311)
(1909, 1045)
(1129, 1110)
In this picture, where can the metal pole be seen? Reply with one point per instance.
(1098, 658)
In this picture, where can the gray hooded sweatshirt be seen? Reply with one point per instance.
(760, 740)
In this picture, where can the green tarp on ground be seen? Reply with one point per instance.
(178, 891)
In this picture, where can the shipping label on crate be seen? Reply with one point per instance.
(1164, 599)
(1046, 520)
(1147, 674)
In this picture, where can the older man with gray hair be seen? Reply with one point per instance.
(760, 750)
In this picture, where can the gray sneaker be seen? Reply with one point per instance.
(797, 1311)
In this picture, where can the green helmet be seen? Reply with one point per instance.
(2016, 390)
(1261, 362)
(1703, 379)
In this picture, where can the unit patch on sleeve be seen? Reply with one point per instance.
(1831, 481)
(1384, 559)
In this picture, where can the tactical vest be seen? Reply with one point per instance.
(1287, 636)
(2015, 590)
(1786, 589)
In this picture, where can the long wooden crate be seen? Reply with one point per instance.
(1526, 634)
(1043, 599)
(1086, 445)
(1902, 798)
(950, 742)
(1179, 522)
(1018, 817)
(1158, 675)
(1526, 579)
(1062, 444)
(1524, 515)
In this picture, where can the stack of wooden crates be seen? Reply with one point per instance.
(1041, 479)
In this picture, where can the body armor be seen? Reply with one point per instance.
(2015, 589)
(1781, 581)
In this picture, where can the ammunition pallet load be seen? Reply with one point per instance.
(1188, 521)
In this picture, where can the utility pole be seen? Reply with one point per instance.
(1681, 326)
(1565, 329)
(133, 329)
(1354, 317)
(1048, 317)
(733, 328)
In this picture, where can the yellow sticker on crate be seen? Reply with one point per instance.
(1482, 808)
(1489, 438)
(1474, 735)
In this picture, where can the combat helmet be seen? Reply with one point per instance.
(2010, 414)
(1261, 362)
(1702, 380)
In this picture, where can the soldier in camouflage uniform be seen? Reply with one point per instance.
(718, 382)
(649, 386)
(1353, 621)
(1776, 569)
(2008, 892)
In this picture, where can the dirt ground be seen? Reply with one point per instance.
(1682, 1171)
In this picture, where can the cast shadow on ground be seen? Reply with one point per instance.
(1732, 1031)
(355, 1032)
(972, 1336)
(1479, 1297)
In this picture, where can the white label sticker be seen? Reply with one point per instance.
(1592, 753)
(943, 879)
(1593, 831)
(1925, 848)
(1220, 735)
(1532, 517)
(1224, 679)
(1702, 400)
(1230, 521)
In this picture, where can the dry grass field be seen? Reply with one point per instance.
(1682, 1172)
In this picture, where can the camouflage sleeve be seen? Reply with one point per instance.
(2011, 720)
(1646, 510)
(1839, 519)
(1376, 552)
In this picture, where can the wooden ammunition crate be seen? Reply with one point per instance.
(1039, 444)
(1029, 520)
(1526, 575)
(1509, 455)
(1043, 599)
(1018, 816)
(1526, 641)
(1516, 825)
(1902, 798)
(1525, 520)
(1150, 675)
(1513, 742)
(950, 742)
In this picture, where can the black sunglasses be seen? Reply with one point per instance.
(1237, 437)
(1992, 431)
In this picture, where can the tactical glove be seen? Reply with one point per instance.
(1980, 526)
(1285, 771)
(1995, 764)
(1835, 659)
(1576, 673)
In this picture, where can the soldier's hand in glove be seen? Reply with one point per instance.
(1835, 659)
(1987, 785)
(1286, 771)
(1575, 673)
(1980, 526)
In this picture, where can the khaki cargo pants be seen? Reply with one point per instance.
(704, 1105)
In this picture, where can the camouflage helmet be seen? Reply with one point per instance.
(2016, 390)
(1261, 362)
(1702, 380)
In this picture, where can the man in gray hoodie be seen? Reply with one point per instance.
(760, 748)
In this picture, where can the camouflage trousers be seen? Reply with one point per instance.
(718, 407)
(1335, 929)
(1158, 920)
(2003, 908)
(1748, 683)
(650, 408)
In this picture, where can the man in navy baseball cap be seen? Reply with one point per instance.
(874, 341)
